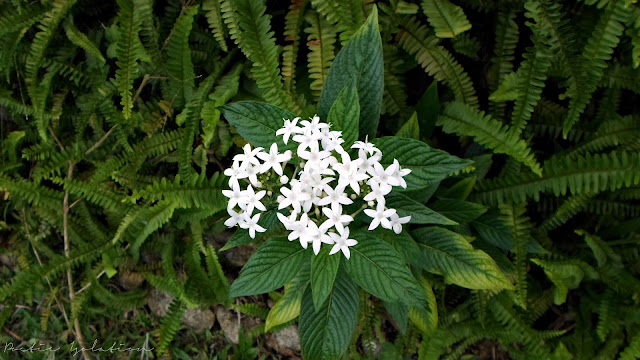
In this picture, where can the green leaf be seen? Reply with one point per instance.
(324, 268)
(129, 50)
(403, 243)
(458, 210)
(275, 263)
(268, 220)
(420, 214)
(458, 118)
(448, 19)
(449, 254)
(79, 39)
(563, 275)
(345, 113)
(400, 313)
(425, 318)
(325, 333)
(410, 129)
(288, 307)
(179, 65)
(427, 165)
(428, 109)
(258, 122)
(361, 58)
(380, 270)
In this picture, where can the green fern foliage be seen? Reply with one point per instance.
(600, 46)
(213, 9)
(180, 85)
(320, 40)
(447, 19)
(129, 52)
(463, 120)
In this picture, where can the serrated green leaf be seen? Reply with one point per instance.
(458, 210)
(380, 270)
(345, 113)
(420, 214)
(325, 333)
(287, 307)
(361, 58)
(324, 268)
(410, 129)
(427, 165)
(275, 263)
(258, 122)
(449, 254)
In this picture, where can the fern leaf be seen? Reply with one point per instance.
(14, 20)
(149, 33)
(129, 51)
(613, 132)
(170, 324)
(153, 218)
(292, 24)
(48, 27)
(249, 26)
(190, 116)
(79, 39)
(321, 40)
(226, 89)
(514, 216)
(199, 192)
(569, 208)
(598, 51)
(447, 19)
(588, 174)
(340, 14)
(502, 63)
(632, 351)
(461, 119)
(214, 17)
(436, 60)
(181, 82)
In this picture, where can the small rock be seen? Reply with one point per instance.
(159, 302)
(228, 321)
(288, 338)
(130, 280)
(199, 320)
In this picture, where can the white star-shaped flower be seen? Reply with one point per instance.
(273, 160)
(397, 221)
(235, 219)
(378, 191)
(251, 200)
(380, 216)
(251, 223)
(292, 197)
(248, 157)
(288, 129)
(335, 197)
(342, 242)
(234, 195)
(335, 218)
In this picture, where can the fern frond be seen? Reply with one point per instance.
(321, 40)
(14, 20)
(153, 219)
(190, 117)
(48, 27)
(214, 18)
(30, 192)
(79, 39)
(226, 89)
(292, 24)
(507, 33)
(463, 120)
(514, 216)
(129, 51)
(446, 18)
(605, 309)
(598, 51)
(170, 324)
(587, 174)
(613, 132)
(199, 192)
(249, 26)
(181, 81)
(569, 208)
(436, 60)
(149, 34)
(632, 351)
(341, 15)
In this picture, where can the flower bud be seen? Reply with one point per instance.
(284, 179)
(269, 193)
(258, 184)
(370, 203)
(353, 196)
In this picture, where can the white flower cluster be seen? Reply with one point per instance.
(325, 181)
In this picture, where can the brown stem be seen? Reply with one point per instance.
(102, 139)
